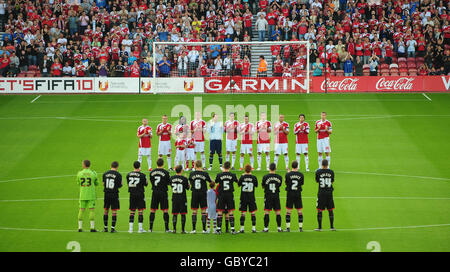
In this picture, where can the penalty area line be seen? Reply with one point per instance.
(427, 97)
(35, 99)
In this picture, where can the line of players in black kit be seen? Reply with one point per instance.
(204, 198)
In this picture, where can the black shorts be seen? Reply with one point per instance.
(137, 202)
(179, 205)
(198, 200)
(111, 202)
(159, 199)
(294, 200)
(247, 204)
(225, 202)
(215, 146)
(272, 202)
(325, 201)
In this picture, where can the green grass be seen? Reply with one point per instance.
(390, 155)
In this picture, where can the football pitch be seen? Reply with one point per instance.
(390, 154)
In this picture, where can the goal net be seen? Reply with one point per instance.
(231, 67)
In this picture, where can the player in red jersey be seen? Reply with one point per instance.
(323, 130)
(281, 131)
(246, 129)
(144, 133)
(231, 129)
(301, 129)
(263, 128)
(182, 128)
(180, 156)
(164, 131)
(198, 129)
(190, 150)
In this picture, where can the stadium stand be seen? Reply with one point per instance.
(114, 38)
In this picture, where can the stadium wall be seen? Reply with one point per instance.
(82, 85)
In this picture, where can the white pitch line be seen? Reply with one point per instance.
(36, 178)
(392, 175)
(338, 230)
(35, 99)
(427, 97)
(259, 197)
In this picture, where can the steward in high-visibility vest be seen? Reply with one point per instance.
(262, 67)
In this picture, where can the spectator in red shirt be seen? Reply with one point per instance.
(4, 64)
(56, 68)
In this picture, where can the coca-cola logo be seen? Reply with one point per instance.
(347, 84)
(403, 83)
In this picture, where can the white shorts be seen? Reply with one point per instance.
(246, 149)
(180, 156)
(145, 151)
(190, 154)
(263, 148)
(323, 145)
(231, 145)
(164, 148)
(281, 149)
(301, 148)
(199, 147)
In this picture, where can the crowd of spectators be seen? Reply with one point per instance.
(115, 38)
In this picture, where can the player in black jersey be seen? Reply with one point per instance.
(199, 181)
(325, 178)
(271, 184)
(225, 196)
(294, 181)
(179, 185)
(112, 181)
(160, 179)
(248, 183)
(136, 187)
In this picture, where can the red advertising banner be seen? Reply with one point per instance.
(254, 85)
(382, 84)
(334, 84)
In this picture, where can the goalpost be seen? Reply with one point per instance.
(232, 67)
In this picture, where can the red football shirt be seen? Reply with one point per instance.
(263, 135)
(144, 141)
(302, 131)
(230, 129)
(247, 131)
(197, 127)
(164, 129)
(321, 125)
(280, 136)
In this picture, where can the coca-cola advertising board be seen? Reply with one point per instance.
(382, 84)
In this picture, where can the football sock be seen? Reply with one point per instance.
(267, 160)
(174, 221)
(183, 221)
(329, 160)
(300, 220)
(288, 220)
(91, 218)
(298, 160)
(233, 159)
(203, 159)
(242, 221)
(131, 221)
(241, 161)
(219, 221)
(319, 219)
(166, 220)
(331, 215)
(210, 160)
(306, 161)
(194, 221)
(252, 160)
(105, 220)
(286, 160)
(149, 161)
(80, 224)
(215, 223)
(169, 162)
(80, 215)
(140, 158)
(227, 222)
(227, 157)
(320, 161)
(258, 158)
(279, 220)
(113, 221)
(204, 221)
(232, 221)
(140, 220)
(253, 221)
(266, 221)
(208, 223)
(152, 219)
(220, 160)
(276, 160)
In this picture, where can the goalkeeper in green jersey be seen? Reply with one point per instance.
(87, 180)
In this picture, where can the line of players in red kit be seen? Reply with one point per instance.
(190, 140)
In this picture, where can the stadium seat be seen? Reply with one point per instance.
(402, 65)
(384, 66)
(411, 59)
(339, 72)
(411, 65)
(413, 72)
(403, 73)
(366, 73)
(420, 59)
(401, 60)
